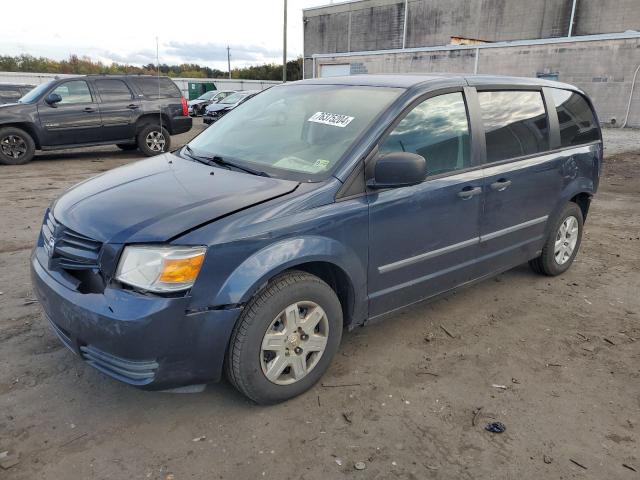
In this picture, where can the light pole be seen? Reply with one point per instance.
(229, 61)
(284, 45)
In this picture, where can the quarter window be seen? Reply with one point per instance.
(438, 130)
(113, 90)
(577, 122)
(76, 91)
(515, 124)
(154, 87)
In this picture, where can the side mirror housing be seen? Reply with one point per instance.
(398, 169)
(53, 98)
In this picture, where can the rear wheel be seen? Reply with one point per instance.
(16, 146)
(563, 243)
(154, 140)
(285, 339)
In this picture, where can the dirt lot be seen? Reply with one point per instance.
(401, 396)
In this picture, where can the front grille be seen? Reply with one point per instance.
(134, 372)
(68, 249)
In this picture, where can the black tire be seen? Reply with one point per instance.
(127, 146)
(243, 362)
(142, 140)
(546, 263)
(16, 146)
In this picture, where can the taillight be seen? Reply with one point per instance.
(185, 107)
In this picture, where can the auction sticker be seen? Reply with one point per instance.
(333, 119)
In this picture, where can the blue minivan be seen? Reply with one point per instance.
(316, 206)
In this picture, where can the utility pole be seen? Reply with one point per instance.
(284, 45)
(229, 61)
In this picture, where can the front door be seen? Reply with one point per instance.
(74, 120)
(423, 239)
(117, 108)
(522, 180)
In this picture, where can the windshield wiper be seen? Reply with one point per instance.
(218, 160)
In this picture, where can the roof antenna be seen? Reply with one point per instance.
(159, 97)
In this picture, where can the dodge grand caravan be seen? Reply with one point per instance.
(316, 206)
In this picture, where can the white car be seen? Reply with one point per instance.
(197, 106)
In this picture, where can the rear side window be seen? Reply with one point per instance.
(515, 124)
(438, 130)
(153, 87)
(113, 90)
(577, 121)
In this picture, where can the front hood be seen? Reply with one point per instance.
(157, 199)
(216, 107)
(196, 102)
(7, 107)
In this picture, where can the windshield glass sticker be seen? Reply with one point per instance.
(334, 119)
(321, 164)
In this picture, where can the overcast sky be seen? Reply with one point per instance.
(125, 30)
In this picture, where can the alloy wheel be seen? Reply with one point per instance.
(566, 240)
(13, 146)
(294, 343)
(155, 141)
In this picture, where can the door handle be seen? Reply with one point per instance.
(501, 184)
(133, 106)
(89, 110)
(468, 192)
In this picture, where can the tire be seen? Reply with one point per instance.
(248, 363)
(127, 146)
(556, 259)
(145, 140)
(16, 146)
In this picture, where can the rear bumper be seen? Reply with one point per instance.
(181, 125)
(146, 341)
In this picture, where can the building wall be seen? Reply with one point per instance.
(603, 68)
(379, 24)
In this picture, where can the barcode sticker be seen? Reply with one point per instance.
(333, 119)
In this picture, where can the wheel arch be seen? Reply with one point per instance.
(30, 128)
(152, 119)
(326, 258)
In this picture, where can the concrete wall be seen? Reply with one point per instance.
(604, 68)
(379, 24)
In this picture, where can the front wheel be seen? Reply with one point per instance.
(154, 140)
(285, 339)
(563, 243)
(16, 146)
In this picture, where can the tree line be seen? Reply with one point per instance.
(85, 65)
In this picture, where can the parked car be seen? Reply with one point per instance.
(11, 93)
(216, 111)
(197, 106)
(129, 111)
(319, 205)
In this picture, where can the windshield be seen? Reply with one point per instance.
(33, 95)
(295, 131)
(207, 95)
(233, 98)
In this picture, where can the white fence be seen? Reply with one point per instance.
(23, 78)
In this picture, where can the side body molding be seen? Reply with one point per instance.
(255, 271)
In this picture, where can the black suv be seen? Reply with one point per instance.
(130, 111)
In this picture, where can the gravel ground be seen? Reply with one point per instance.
(409, 396)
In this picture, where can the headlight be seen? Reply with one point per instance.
(160, 269)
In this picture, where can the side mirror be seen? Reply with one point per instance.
(398, 169)
(53, 98)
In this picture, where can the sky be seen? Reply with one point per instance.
(125, 31)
